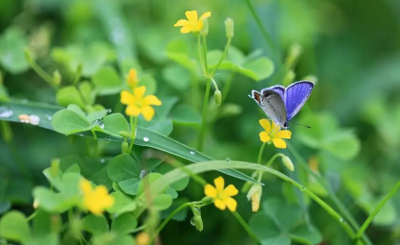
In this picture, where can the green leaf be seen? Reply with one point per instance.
(76, 109)
(69, 122)
(45, 223)
(14, 227)
(178, 51)
(178, 185)
(97, 115)
(101, 178)
(69, 95)
(115, 123)
(107, 81)
(186, 115)
(74, 168)
(95, 225)
(54, 202)
(162, 202)
(122, 204)
(149, 82)
(155, 140)
(181, 215)
(113, 239)
(261, 67)
(177, 77)
(343, 144)
(85, 88)
(125, 170)
(12, 45)
(124, 224)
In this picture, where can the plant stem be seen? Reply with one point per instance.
(228, 44)
(260, 153)
(347, 215)
(265, 34)
(246, 227)
(201, 58)
(42, 73)
(227, 86)
(133, 132)
(33, 215)
(95, 141)
(376, 211)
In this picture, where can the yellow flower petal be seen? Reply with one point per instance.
(210, 191)
(186, 29)
(219, 184)
(192, 17)
(274, 127)
(284, 134)
(132, 110)
(85, 186)
(266, 125)
(127, 98)
(139, 92)
(152, 100)
(279, 143)
(264, 137)
(231, 191)
(181, 23)
(198, 26)
(205, 15)
(231, 203)
(148, 112)
(219, 204)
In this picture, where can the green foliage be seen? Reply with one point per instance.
(13, 226)
(12, 44)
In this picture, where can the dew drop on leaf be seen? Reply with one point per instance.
(5, 112)
(146, 139)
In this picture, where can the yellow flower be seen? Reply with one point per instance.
(192, 24)
(254, 195)
(222, 197)
(274, 134)
(132, 78)
(139, 104)
(95, 200)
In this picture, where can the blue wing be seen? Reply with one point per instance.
(296, 96)
(277, 89)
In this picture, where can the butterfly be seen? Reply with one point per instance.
(282, 104)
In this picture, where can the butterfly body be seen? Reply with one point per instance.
(282, 104)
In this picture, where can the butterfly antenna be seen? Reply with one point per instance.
(300, 125)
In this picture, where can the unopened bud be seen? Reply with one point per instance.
(35, 203)
(198, 222)
(229, 28)
(125, 134)
(288, 163)
(293, 55)
(204, 30)
(254, 195)
(289, 77)
(57, 77)
(217, 97)
(207, 200)
(125, 147)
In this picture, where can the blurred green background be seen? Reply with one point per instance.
(352, 47)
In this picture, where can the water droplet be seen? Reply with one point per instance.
(143, 173)
(107, 140)
(196, 211)
(192, 222)
(102, 160)
(5, 112)
(34, 120)
(97, 121)
(146, 139)
(302, 188)
(101, 125)
(109, 111)
(228, 159)
(48, 117)
(192, 152)
(341, 219)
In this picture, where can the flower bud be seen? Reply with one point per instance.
(293, 55)
(289, 77)
(57, 77)
(204, 30)
(288, 163)
(207, 200)
(125, 134)
(217, 97)
(125, 147)
(254, 195)
(35, 203)
(229, 28)
(198, 222)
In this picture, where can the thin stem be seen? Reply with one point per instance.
(205, 55)
(260, 153)
(265, 34)
(140, 228)
(345, 212)
(33, 215)
(203, 116)
(42, 73)
(164, 223)
(246, 227)
(95, 141)
(376, 211)
(228, 44)
(133, 132)
(201, 59)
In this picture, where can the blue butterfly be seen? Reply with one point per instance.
(282, 104)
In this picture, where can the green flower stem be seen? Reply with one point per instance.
(203, 125)
(140, 228)
(260, 153)
(133, 132)
(345, 212)
(246, 227)
(265, 34)
(228, 44)
(214, 83)
(95, 141)
(33, 215)
(376, 211)
(42, 73)
(201, 58)
(78, 73)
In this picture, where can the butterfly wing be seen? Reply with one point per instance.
(272, 104)
(279, 89)
(296, 96)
